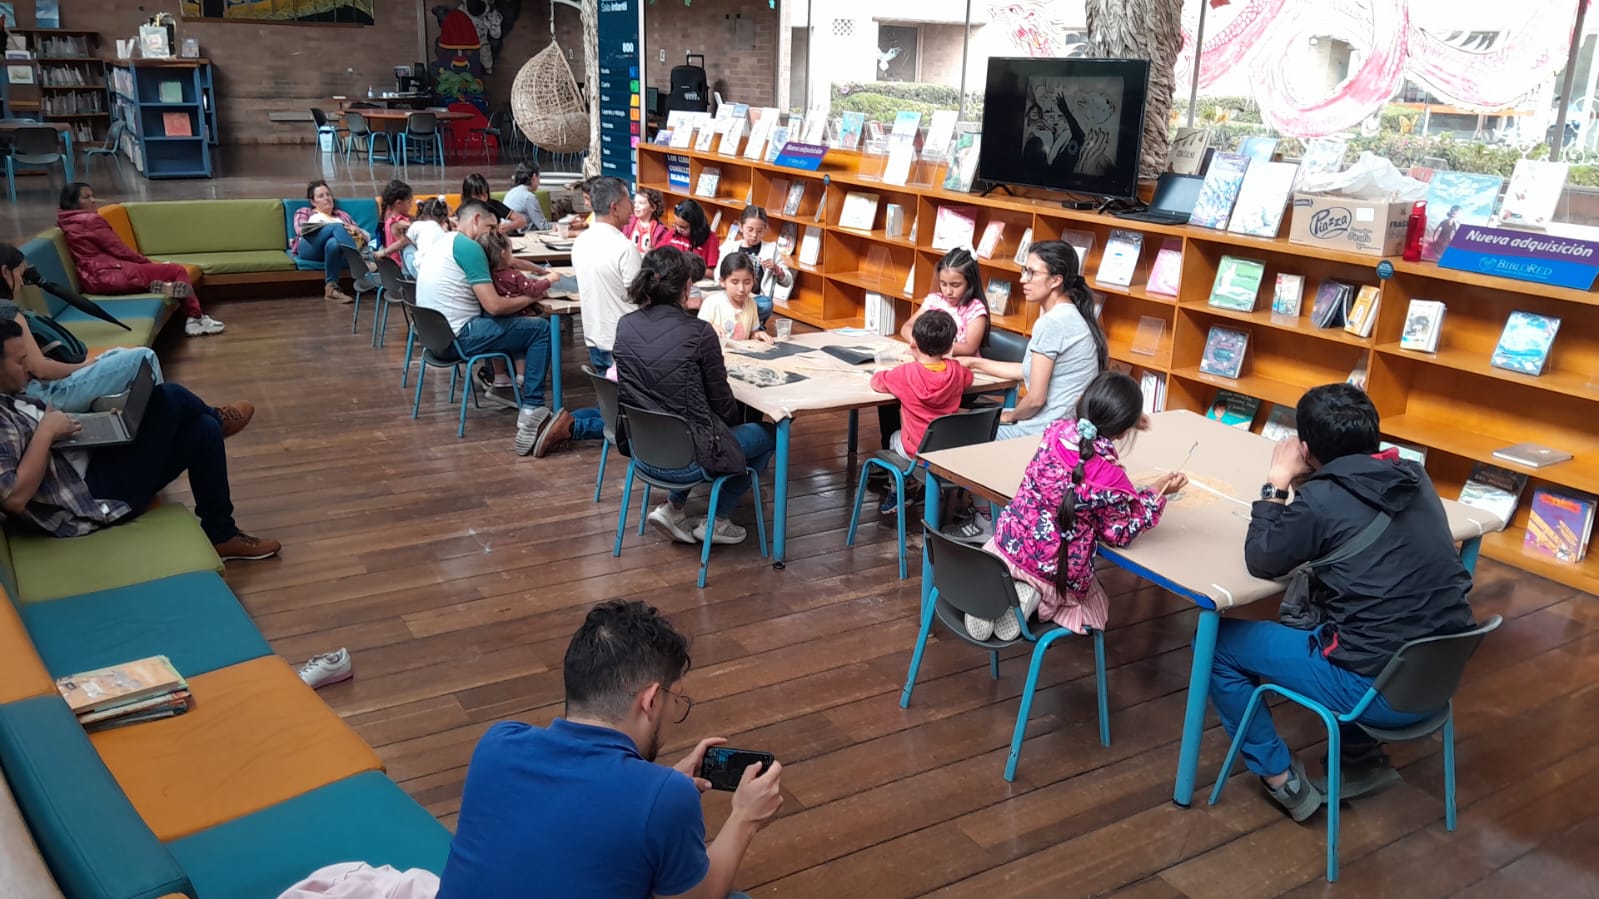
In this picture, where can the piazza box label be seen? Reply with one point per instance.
(1524, 256)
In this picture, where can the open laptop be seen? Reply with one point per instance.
(116, 426)
(1175, 196)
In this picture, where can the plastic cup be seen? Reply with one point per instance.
(783, 327)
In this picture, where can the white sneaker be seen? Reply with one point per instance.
(979, 628)
(328, 668)
(672, 522)
(530, 422)
(1007, 627)
(205, 324)
(725, 532)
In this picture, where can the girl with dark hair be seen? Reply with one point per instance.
(476, 187)
(776, 280)
(1074, 495)
(320, 229)
(645, 228)
(1067, 348)
(431, 222)
(960, 293)
(395, 209)
(731, 310)
(691, 231)
(667, 360)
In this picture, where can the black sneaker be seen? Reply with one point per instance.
(1298, 796)
(1362, 775)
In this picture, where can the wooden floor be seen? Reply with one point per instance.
(455, 572)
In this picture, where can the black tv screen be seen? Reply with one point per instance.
(1064, 124)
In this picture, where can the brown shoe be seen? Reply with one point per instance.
(243, 546)
(234, 417)
(555, 436)
(332, 292)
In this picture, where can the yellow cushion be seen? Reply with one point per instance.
(256, 736)
(22, 672)
(117, 217)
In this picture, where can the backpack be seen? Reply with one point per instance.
(54, 340)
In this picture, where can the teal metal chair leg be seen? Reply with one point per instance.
(421, 374)
(710, 526)
(1026, 709)
(1101, 688)
(1449, 769)
(644, 510)
(921, 644)
(760, 514)
(1335, 776)
(621, 515)
(899, 504)
(599, 477)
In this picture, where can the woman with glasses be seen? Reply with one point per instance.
(1067, 348)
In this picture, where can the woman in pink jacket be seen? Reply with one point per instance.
(110, 267)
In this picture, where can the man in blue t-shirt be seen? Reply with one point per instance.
(580, 808)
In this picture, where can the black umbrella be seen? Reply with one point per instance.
(72, 298)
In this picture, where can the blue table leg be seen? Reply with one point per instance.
(71, 162)
(1468, 553)
(930, 500)
(780, 496)
(555, 360)
(1194, 714)
(1010, 398)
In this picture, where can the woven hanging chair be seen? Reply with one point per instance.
(547, 105)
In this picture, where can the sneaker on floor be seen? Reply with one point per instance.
(199, 327)
(501, 396)
(530, 423)
(1298, 796)
(979, 628)
(555, 436)
(1370, 773)
(243, 546)
(890, 504)
(327, 668)
(234, 417)
(332, 292)
(672, 522)
(724, 532)
(177, 290)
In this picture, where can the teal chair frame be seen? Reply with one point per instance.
(605, 397)
(356, 263)
(440, 350)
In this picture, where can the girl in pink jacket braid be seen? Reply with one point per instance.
(1075, 495)
(110, 267)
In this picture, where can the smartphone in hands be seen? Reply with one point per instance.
(724, 766)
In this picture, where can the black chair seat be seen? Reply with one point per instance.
(438, 361)
(1423, 728)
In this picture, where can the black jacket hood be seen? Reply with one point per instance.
(1383, 482)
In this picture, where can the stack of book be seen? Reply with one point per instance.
(145, 690)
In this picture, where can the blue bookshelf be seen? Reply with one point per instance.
(169, 107)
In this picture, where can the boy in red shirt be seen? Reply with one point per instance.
(927, 387)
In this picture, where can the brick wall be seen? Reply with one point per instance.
(738, 37)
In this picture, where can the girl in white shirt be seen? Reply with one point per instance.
(732, 311)
(432, 222)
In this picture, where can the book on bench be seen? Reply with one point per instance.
(141, 690)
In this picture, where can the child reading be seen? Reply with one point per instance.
(1074, 495)
(691, 231)
(928, 386)
(731, 311)
(775, 279)
(960, 293)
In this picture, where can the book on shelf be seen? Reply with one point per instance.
(663, 138)
(1532, 455)
(1416, 454)
(940, 132)
(1024, 247)
(118, 685)
(731, 137)
(849, 129)
(1493, 489)
(1331, 299)
(870, 310)
(1258, 148)
(683, 135)
(815, 128)
(893, 220)
(776, 142)
(176, 124)
(787, 239)
(1363, 312)
(1559, 525)
(1188, 150)
(1120, 259)
(1262, 199)
(170, 92)
(1359, 375)
(710, 177)
(1224, 352)
(1287, 294)
(1237, 285)
(796, 195)
(1082, 242)
(1153, 386)
(910, 279)
(961, 168)
(1166, 275)
(1524, 344)
(998, 295)
(677, 173)
(1533, 193)
(1282, 421)
(706, 137)
(955, 226)
(993, 233)
(810, 248)
(759, 132)
(1220, 189)
(1424, 323)
(860, 210)
(1455, 199)
(1322, 156)
(1234, 409)
(901, 158)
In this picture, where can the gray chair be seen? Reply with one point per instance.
(111, 146)
(36, 147)
(605, 397)
(359, 274)
(422, 130)
(324, 124)
(362, 132)
(1421, 679)
(439, 350)
(1003, 346)
(393, 287)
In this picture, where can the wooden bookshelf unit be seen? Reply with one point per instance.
(1451, 402)
(70, 81)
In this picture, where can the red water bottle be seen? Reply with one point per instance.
(1415, 230)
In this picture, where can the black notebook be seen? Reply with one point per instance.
(854, 355)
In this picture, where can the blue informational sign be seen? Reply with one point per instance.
(621, 109)
(796, 155)
(1523, 255)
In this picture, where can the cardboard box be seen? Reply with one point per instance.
(1368, 227)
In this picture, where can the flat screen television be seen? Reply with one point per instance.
(1064, 124)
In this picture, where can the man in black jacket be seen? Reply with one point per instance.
(1409, 584)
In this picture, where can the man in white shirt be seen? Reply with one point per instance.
(453, 278)
(605, 263)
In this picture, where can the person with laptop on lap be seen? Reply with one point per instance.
(70, 493)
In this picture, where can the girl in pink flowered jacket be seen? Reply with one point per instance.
(1074, 495)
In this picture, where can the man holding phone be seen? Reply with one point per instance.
(580, 808)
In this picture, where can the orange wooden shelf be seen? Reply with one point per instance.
(1576, 384)
(1267, 319)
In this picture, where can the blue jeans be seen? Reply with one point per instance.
(587, 424)
(323, 246)
(512, 334)
(757, 442)
(1249, 652)
(763, 306)
(178, 433)
(110, 374)
(600, 360)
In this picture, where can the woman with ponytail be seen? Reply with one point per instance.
(1067, 348)
(1075, 495)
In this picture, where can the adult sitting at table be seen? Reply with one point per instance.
(476, 187)
(605, 263)
(1409, 586)
(1067, 348)
(668, 360)
(319, 231)
(522, 199)
(454, 278)
(110, 267)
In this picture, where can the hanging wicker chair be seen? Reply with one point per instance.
(546, 103)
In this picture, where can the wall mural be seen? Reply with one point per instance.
(467, 46)
(1034, 29)
(347, 12)
(1460, 68)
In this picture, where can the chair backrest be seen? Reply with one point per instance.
(395, 288)
(320, 117)
(605, 397)
(961, 429)
(355, 261)
(356, 123)
(434, 330)
(969, 579)
(421, 123)
(36, 140)
(658, 439)
(1004, 346)
(113, 136)
(1423, 675)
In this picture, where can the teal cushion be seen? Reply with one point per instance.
(362, 818)
(123, 309)
(44, 254)
(164, 541)
(88, 832)
(191, 619)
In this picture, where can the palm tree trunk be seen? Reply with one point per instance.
(1143, 29)
(591, 78)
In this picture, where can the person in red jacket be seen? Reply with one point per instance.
(927, 387)
(108, 266)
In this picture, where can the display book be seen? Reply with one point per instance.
(141, 690)
(1424, 322)
(1559, 524)
(1120, 259)
(1166, 274)
(1237, 283)
(1233, 409)
(1152, 384)
(1493, 489)
(1362, 312)
(1224, 352)
(1525, 343)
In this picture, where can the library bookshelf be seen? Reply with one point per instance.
(69, 83)
(1452, 402)
(169, 108)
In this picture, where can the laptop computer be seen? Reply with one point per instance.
(114, 427)
(1175, 196)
